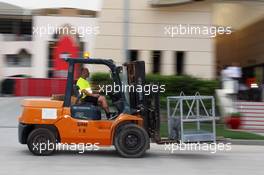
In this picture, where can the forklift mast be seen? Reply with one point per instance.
(147, 104)
(136, 76)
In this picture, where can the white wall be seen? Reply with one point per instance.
(38, 4)
(13, 47)
(237, 14)
(146, 33)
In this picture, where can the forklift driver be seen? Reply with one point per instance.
(88, 95)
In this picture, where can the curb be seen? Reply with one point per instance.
(242, 142)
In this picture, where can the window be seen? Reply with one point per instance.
(156, 57)
(22, 59)
(133, 55)
(179, 59)
(12, 60)
(16, 29)
(16, 26)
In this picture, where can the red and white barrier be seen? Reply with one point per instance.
(252, 116)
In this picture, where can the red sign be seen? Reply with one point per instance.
(65, 47)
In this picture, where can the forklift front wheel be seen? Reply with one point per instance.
(41, 142)
(131, 141)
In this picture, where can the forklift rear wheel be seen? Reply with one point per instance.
(41, 142)
(131, 141)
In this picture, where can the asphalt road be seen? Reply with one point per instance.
(16, 159)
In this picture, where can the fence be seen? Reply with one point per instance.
(39, 86)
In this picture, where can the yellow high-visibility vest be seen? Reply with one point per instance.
(84, 84)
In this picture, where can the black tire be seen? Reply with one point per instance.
(131, 141)
(41, 142)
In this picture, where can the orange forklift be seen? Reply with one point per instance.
(68, 121)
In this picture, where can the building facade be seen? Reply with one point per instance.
(147, 39)
(28, 41)
(143, 28)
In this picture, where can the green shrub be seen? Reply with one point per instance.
(189, 85)
(101, 78)
(173, 84)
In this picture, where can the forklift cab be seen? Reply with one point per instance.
(86, 110)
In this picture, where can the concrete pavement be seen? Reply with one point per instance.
(16, 159)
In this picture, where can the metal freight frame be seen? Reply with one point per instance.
(192, 109)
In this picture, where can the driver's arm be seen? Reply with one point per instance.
(86, 92)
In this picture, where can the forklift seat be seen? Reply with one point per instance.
(84, 110)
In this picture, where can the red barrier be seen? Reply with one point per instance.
(39, 86)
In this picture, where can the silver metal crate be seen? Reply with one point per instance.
(191, 109)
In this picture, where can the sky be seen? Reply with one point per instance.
(37, 4)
